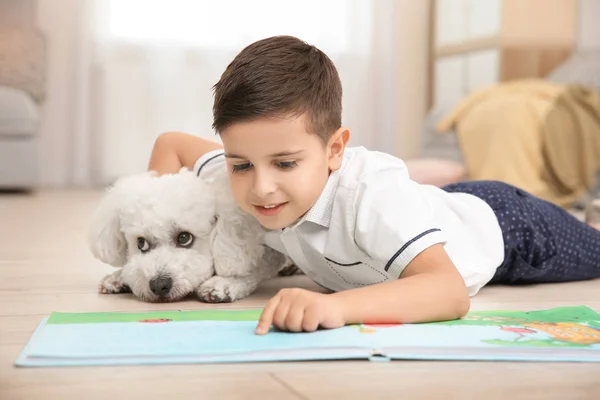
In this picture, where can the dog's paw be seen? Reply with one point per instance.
(111, 284)
(216, 290)
(290, 270)
(220, 289)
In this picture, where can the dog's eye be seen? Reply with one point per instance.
(185, 239)
(143, 244)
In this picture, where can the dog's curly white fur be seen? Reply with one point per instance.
(176, 234)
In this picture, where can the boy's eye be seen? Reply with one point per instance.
(287, 164)
(241, 167)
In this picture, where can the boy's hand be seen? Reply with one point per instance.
(299, 310)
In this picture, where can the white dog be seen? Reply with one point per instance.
(176, 234)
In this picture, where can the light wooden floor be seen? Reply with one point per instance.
(45, 266)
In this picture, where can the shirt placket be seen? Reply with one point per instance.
(291, 242)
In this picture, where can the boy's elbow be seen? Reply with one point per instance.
(457, 299)
(462, 305)
(461, 300)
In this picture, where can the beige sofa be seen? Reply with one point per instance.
(18, 139)
(22, 72)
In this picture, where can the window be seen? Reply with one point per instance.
(228, 23)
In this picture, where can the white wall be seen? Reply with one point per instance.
(588, 35)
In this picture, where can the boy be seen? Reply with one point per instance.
(391, 250)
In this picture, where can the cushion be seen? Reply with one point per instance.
(18, 112)
(436, 171)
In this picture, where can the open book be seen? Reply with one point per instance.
(560, 334)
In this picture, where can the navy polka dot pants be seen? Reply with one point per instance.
(542, 242)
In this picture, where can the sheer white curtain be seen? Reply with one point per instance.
(135, 68)
(154, 62)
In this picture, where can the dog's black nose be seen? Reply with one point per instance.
(160, 286)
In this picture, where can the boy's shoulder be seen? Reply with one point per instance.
(362, 165)
(210, 165)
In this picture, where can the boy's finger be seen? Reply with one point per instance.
(310, 322)
(293, 320)
(281, 313)
(266, 317)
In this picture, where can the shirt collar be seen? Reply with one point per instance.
(320, 213)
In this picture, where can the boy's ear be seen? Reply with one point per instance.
(336, 146)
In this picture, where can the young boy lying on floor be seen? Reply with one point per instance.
(391, 250)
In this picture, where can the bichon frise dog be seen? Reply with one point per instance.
(175, 234)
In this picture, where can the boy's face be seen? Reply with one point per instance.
(277, 169)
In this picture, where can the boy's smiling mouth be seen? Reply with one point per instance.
(269, 209)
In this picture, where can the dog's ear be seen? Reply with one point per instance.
(107, 242)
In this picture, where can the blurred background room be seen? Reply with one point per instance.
(460, 89)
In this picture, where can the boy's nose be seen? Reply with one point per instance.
(263, 186)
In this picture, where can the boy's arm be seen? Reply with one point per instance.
(174, 150)
(429, 289)
(396, 222)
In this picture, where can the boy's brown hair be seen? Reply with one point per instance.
(280, 76)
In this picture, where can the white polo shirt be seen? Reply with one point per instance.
(371, 220)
